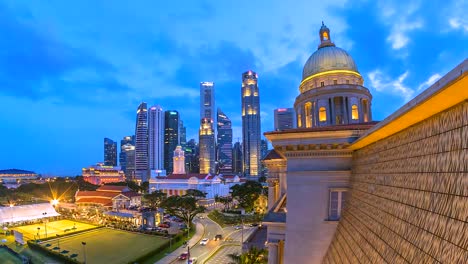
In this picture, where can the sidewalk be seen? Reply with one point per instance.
(199, 231)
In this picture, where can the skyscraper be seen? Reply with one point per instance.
(237, 158)
(127, 159)
(284, 118)
(192, 161)
(141, 143)
(250, 124)
(182, 135)
(171, 137)
(224, 140)
(110, 152)
(207, 140)
(156, 138)
(207, 146)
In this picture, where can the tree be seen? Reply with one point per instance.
(155, 199)
(246, 194)
(253, 256)
(184, 207)
(225, 200)
(197, 194)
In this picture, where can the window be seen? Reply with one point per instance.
(299, 120)
(322, 114)
(354, 112)
(322, 84)
(308, 114)
(337, 203)
(347, 81)
(335, 81)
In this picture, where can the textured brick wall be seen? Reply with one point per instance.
(409, 196)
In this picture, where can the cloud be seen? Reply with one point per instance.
(459, 23)
(399, 33)
(385, 84)
(429, 81)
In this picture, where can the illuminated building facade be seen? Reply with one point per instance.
(284, 118)
(101, 174)
(224, 140)
(237, 159)
(251, 124)
(192, 157)
(207, 101)
(182, 135)
(207, 146)
(127, 145)
(179, 161)
(16, 176)
(388, 192)
(141, 143)
(156, 137)
(110, 152)
(171, 137)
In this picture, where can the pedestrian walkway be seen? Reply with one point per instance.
(172, 257)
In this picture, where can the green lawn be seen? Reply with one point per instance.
(8, 258)
(56, 227)
(107, 245)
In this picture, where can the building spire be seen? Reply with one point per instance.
(325, 39)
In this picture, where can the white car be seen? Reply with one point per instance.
(204, 241)
(237, 227)
(192, 260)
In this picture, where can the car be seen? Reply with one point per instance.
(218, 237)
(192, 260)
(237, 227)
(164, 225)
(201, 217)
(204, 241)
(183, 256)
(254, 224)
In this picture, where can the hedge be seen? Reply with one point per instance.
(66, 259)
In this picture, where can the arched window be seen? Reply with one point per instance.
(308, 114)
(354, 112)
(365, 110)
(299, 120)
(322, 114)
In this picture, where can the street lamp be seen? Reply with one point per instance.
(38, 230)
(45, 223)
(58, 241)
(84, 251)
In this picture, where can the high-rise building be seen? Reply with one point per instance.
(192, 162)
(207, 147)
(156, 138)
(251, 124)
(224, 140)
(207, 101)
(171, 137)
(179, 161)
(127, 144)
(263, 148)
(110, 152)
(141, 143)
(284, 118)
(182, 135)
(237, 160)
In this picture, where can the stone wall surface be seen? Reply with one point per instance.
(409, 196)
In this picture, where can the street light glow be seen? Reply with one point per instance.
(54, 202)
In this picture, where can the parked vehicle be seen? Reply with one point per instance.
(164, 225)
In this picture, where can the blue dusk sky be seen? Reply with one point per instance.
(74, 72)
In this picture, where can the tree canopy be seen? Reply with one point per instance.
(253, 256)
(155, 199)
(195, 193)
(246, 194)
(184, 207)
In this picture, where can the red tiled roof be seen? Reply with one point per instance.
(95, 194)
(229, 176)
(358, 126)
(183, 176)
(131, 194)
(112, 188)
(101, 201)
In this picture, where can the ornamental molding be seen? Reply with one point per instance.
(321, 153)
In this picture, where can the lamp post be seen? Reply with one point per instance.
(242, 233)
(84, 251)
(38, 230)
(58, 241)
(45, 223)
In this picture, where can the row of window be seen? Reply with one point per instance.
(322, 114)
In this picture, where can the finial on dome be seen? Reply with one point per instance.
(325, 39)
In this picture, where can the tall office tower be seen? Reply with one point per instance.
(207, 147)
(263, 148)
(128, 150)
(179, 161)
(141, 143)
(237, 158)
(110, 152)
(224, 140)
(250, 124)
(192, 162)
(123, 159)
(171, 137)
(207, 101)
(156, 138)
(284, 118)
(182, 135)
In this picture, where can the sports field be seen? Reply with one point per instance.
(61, 227)
(8, 258)
(105, 245)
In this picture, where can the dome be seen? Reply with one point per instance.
(328, 58)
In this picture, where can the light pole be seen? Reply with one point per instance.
(45, 223)
(188, 253)
(38, 230)
(242, 234)
(58, 241)
(84, 251)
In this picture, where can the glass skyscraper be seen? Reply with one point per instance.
(141, 143)
(110, 152)
(224, 140)
(251, 124)
(207, 140)
(127, 156)
(156, 138)
(237, 160)
(284, 118)
(171, 137)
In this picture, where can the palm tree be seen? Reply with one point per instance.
(253, 256)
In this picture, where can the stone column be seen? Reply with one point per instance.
(333, 114)
(273, 253)
(272, 192)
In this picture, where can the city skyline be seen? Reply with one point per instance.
(91, 88)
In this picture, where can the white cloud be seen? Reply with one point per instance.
(429, 81)
(398, 36)
(457, 23)
(385, 84)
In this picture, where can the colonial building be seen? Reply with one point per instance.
(100, 174)
(344, 189)
(108, 197)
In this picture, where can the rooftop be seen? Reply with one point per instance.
(16, 171)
